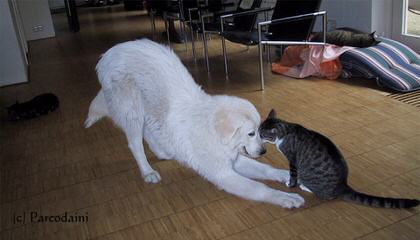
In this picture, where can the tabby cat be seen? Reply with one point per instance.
(39, 105)
(316, 163)
(348, 37)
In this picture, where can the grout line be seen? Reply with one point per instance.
(124, 196)
(200, 205)
(323, 203)
(107, 201)
(171, 214)
(269, 222)
(275, 219)
(43, 170)
(392, 177)
(416, 214)
(74, 163)
(67, 186)
(73, 184)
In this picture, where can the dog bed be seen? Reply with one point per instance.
(391, 63)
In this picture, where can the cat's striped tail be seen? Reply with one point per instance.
(374, 201)
(97, 110)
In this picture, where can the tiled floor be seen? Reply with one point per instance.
(52, 165)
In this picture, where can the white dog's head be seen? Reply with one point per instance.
(237, 126)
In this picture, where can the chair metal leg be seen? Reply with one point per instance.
(269, 54)
(166, 28)
(190, 23)
(184, 33)
(152, 23)
(193, 43)
(225, 55)
(154, 27)
(206, 56)
(261, 65)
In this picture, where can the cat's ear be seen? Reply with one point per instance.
(373, 33)
(272, 114)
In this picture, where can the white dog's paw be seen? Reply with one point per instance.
(152, 177)
(283, 176)
(304, 188)
(292, 200)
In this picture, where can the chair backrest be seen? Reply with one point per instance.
(184, 5)
(246, 23)
(215, 5)
(293, 30)
(210, 6)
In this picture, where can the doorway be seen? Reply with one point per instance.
(406, 23)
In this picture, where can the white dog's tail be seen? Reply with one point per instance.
(97, 109)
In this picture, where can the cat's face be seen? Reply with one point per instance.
(268, 129)
(367, 40)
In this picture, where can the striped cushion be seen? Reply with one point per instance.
(390, 62)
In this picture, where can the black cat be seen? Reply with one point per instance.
(39, 105)
(317, 164)
(348, 37)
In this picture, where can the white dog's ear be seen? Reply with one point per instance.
(226, 125)
(272, 114)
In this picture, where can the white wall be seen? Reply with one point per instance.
(382, 17)
(365, 15)
(56, 4)
(348, 13)
(13, 68)
(17, 20)
(36, 13)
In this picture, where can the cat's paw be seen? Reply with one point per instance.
(152, 177)
(292, 200)
(291, 183)
(304, 188)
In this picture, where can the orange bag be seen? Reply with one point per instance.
(331, 69)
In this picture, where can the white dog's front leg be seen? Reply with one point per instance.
(135, 144)
(244, 187)
(251, 168)
(155, 147)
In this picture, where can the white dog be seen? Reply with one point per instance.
(149, 94)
